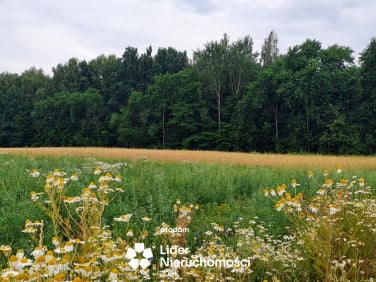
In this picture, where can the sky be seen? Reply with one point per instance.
(45, 33)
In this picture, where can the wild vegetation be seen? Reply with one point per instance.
(228, 97)
(144, 220)
(235, 158)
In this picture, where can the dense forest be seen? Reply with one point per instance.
(227, 97)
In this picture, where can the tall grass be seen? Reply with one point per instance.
(225, 192)
(151, 188)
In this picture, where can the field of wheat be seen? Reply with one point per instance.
(249, 159)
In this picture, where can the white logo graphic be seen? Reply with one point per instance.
(134, 256)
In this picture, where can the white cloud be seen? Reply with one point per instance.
(43, 33)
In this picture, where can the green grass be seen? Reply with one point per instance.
(224, 192)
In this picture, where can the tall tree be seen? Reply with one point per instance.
(368, 84)
(241, 64)
(67, 77)
(211, 63)
(304, 63)
(269, 50)
(169, 60)
(179, 110)
(106, 77)
(68, 119)
(145, 69)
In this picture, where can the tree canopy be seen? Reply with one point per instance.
(228, 97)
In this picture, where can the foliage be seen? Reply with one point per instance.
(330, 236)
(334, 229)
(228, 97)
(69, 119)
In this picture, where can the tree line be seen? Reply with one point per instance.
(227, 97)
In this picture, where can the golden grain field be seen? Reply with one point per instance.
(251, 159)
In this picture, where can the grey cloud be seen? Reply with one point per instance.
(199, 6)
(45, 33)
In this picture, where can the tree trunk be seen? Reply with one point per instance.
(276, 127)
(219, 110)
(163, 129)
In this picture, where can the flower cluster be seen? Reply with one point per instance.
(330, 236)
(83, 247)
(335, 228)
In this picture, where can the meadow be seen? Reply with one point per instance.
(232, 205)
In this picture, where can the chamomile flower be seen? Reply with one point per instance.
(117, 178)
(130, 233)
(92, 185)
(97, 171)
(123, 218)
(294, 183)
(146, 219)
(74, 177)
(34, 172)
(339, 169)
(333, 209)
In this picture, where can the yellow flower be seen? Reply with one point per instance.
(34, 172)
(320, 191)
(20, 253)
(23, 276)
(92, 185)
(59, 277)
(97, 171)
(113, 274)
(34, 196)
(124, 217)
(339, 168)
(184, 210)
(144, 234)
(74, 177)
(361, 182)
(130, 233)
(117, 178)
(343, 182)
(5, 249)
(294, 183)
(281, 189)
(52, 261)
(328, 183)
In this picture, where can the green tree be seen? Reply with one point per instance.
(68, 119)
(211, 64)
(17, 95)
(13, 125)
(67, 77)
(167, 115)
(269, 50)
(367, 110)
(169, 60)
(131, 124)
(261, 111)
(106, 77)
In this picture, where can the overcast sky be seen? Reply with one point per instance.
(44, 33)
